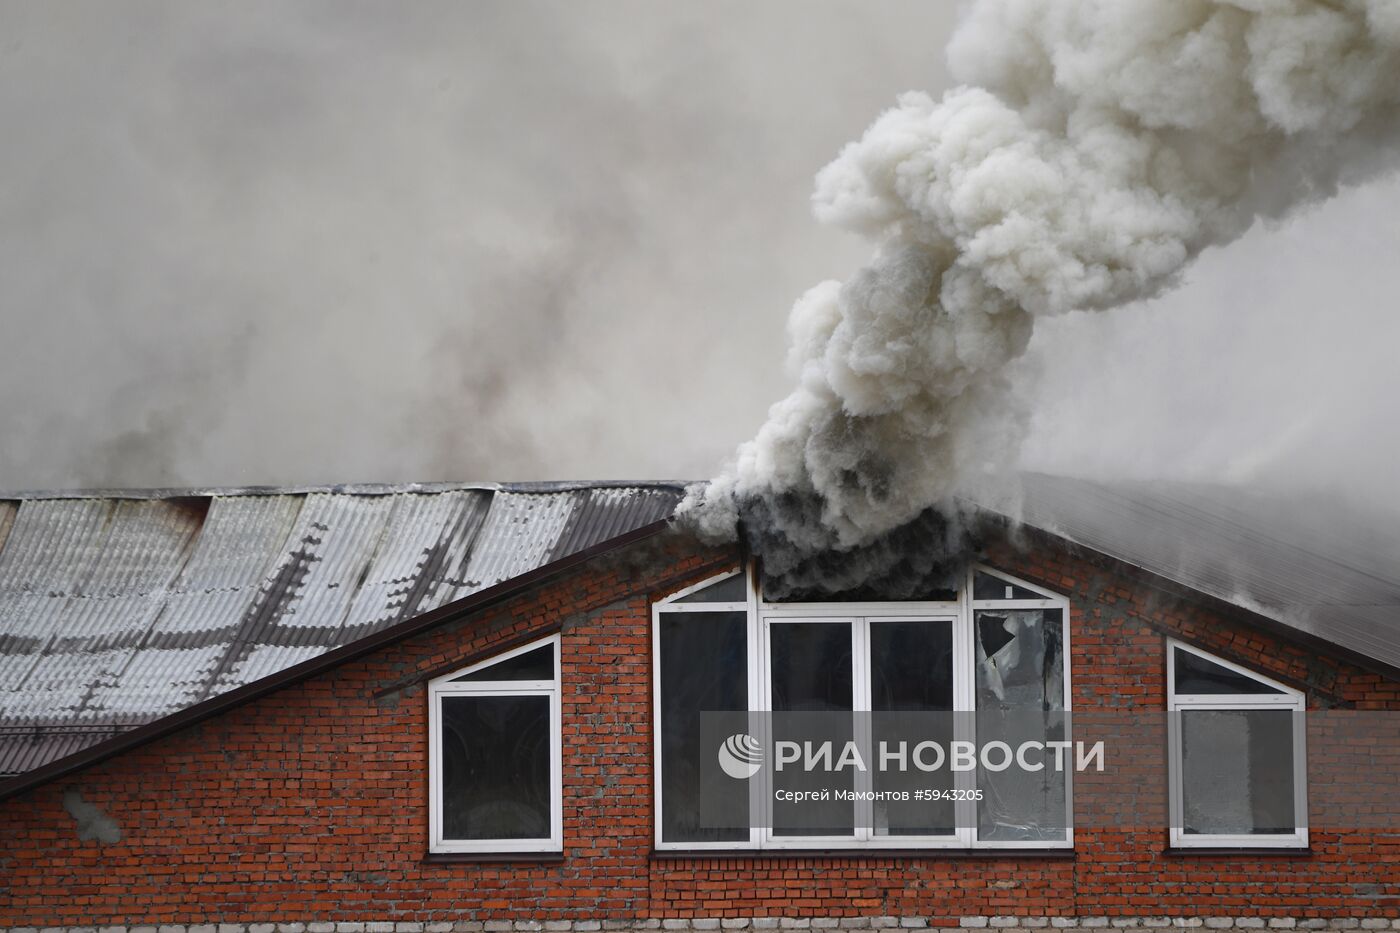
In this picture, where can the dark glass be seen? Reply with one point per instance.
(810, 673)
(730, 590)
(911, 666)
(811, 667)
(911, 679)
(1194, 674)
(531, 665)
(1237, 771)
(986, 586)
(495, 767)
(704, 668)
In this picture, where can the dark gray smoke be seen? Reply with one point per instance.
(343, 241)
(1093, 150)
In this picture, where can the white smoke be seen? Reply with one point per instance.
(1092, 149)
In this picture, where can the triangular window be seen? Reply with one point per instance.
(536, 664)
(988, 586)
(1195, 674)
(731, 589)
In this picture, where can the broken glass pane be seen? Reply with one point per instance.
(1237, 771)
(1195, 674)
(729, 590)
(1020, 698)
(1020, 659)
(530, 665)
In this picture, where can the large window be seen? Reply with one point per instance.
(1238, 767)
(494, 776)
(986, 664)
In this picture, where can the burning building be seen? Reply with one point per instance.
(546, 707)
(834, 687)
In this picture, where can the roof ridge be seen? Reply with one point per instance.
(351, 489)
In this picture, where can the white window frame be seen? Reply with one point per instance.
(1287, 699)
(761, 615)
(441, 687)
(1046, 600)
(669, 604)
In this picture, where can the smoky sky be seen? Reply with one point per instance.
(311, 243)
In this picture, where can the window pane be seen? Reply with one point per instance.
(811, 667)
(1020, 698)
(1020, 661)
(911, 666)
(730, 590)
(496, 767)
(911, 679)
(811, 673)
(1237, 771)
(531, 665)
(1195, 674)
(986, 586)
(704, 667)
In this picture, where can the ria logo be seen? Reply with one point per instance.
(741, 756)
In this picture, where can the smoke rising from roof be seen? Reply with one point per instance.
(1091, 152)
(341, 241)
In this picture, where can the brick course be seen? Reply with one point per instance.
(307, 807)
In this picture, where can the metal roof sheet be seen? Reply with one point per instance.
(1315, 563)
(519, 533)
(607, 512)
(422, 556)
(24, 749)
(120, 607)
(7, 518)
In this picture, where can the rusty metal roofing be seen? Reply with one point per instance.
(1312, 563)
(119, 607)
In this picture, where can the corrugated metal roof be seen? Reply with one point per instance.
(1312, 563)
(421, 558)
(123, 607)
(607, 512)
(519, 533)
(119, 607)
(7, 518)
(24, 748)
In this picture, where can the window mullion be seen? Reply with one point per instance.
(759, 789)
(965, 705)
(861, 703)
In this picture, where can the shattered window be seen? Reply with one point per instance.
(494, 783)
(1020, 686)
(1237, 766)
(765, 706)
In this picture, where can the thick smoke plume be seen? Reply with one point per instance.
(1093, 149)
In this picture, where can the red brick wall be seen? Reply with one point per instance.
(310, 803)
